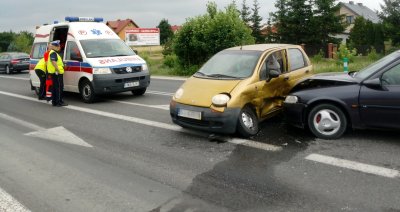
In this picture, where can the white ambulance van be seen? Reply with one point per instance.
(96, 60)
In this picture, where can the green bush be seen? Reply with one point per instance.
(318, 57)
(171, 61)
(344, 52)
(372, 55)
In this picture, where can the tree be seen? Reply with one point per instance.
(256, 23)
(203, 36)
(326, 22)
(391, 19)
(166, 32)
(245, 13)
(366, 35)
(293, 21)
(307, 21)
(23, 42)
(6, 38)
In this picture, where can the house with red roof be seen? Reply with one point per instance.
(120, 26)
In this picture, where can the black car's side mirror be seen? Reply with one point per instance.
(272, 74)
(373, 83)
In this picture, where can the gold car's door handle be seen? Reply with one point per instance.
(286, 78)
(307, 71)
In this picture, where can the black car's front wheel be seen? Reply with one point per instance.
(327, 121)
(247, 123)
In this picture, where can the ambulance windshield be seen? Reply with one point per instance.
(106, 48)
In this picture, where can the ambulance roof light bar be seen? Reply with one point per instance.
(83, 19)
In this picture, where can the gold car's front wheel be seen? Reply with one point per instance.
(247, 123)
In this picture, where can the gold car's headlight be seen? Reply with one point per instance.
(220, 100)
(178, 93)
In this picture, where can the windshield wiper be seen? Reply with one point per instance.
(119, 55)
(221, 76)
(200, 73)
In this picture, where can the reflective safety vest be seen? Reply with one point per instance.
(50, 68)
(41, 65)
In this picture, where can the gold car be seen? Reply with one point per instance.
(239, 87)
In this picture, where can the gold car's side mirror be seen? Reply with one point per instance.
(272, 74)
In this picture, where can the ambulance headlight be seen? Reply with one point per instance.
(145, 67)
(220, 100)
(102, 71)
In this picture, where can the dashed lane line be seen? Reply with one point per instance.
(243, 142)
(361, 167)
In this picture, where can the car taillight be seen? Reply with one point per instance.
(14, 61)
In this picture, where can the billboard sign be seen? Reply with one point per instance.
(143, 37)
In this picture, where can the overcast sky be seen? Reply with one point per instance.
(19, 15)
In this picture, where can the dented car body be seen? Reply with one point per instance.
(330, 103)
(239, 87)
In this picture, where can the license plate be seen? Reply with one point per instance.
(131, 84)
(189, 114)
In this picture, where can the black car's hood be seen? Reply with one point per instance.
(333, 76)
(325, 80)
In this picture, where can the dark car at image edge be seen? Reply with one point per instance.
(330, 103)
(14, 62)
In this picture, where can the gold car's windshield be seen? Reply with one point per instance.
(230, 64)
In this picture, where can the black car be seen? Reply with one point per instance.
(330, 103)
(14, 61)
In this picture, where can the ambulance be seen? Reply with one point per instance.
(96, 60)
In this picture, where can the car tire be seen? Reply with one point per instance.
(87, 92)
(247, 125)
(139, 92)
(327, 121)
(8, 70)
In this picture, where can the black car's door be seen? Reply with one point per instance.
(380, 107)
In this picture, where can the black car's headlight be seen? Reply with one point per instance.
(291, 99)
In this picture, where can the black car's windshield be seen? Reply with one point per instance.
(230, 64)
(105, 48)
(366, 72)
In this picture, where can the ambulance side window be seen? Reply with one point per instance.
(38, 50)
(73, 52)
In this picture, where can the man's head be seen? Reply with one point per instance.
(55, 45)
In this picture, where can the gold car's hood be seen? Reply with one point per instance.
(199, 91)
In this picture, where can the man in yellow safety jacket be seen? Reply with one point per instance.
(40, 70)
(55, 69)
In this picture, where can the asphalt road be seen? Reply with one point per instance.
(124, 154)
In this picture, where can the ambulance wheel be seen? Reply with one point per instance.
(247, 125)
(87, 92)
(139, 92)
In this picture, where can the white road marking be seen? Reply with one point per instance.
(169, 78)
(150, 123)
(160, 93)
(21, 122)
(361, 167)
(9, 204)
(59, 134)
(162, 107)
(149, 91)
(18, 78)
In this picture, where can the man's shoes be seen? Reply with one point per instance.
(63, 104)
(41, 98)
